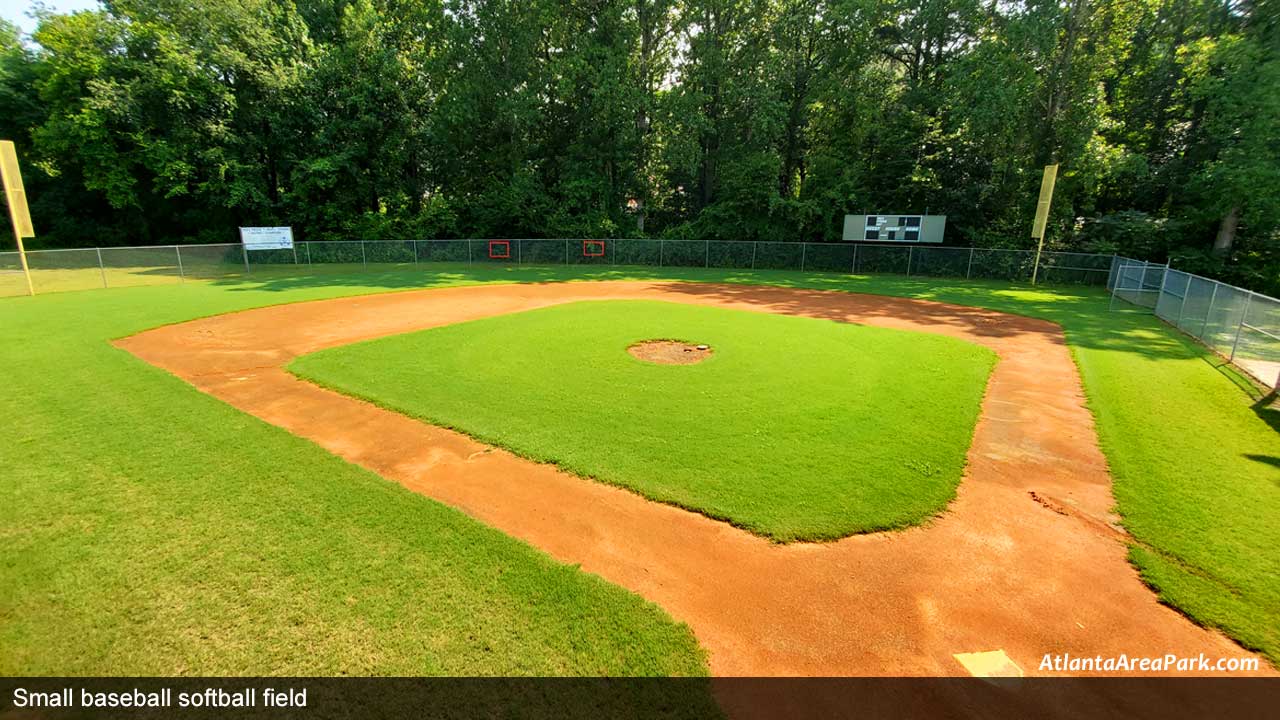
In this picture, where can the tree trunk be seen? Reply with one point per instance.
(1227, 231)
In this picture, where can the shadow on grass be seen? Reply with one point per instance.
(1268, 408)
(1271, 460)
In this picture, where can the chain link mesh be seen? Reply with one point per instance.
(1238, 324)
(82, 269)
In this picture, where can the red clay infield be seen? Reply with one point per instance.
(1027, 559)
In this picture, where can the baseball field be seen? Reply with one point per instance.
(587, 471)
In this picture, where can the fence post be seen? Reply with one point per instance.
(911, 252)
(1121, 275)
(755, 245)
(308, 246)
(415, 252)
(1248, 299)
(1205, 325)
(662, 244)
(854, 270)
(519, 252)
(804, 254)
(102, 268)
(566, 251)
(182, 276)
(1115, 286)
(364, 259)
(706, 258)
(295, 254)
(469, 259)
(245, 252)
(1163, 279)
(1182, 305)
(968, 271)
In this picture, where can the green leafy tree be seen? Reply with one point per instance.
(174, 120)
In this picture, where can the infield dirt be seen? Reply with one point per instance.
(1028, 558)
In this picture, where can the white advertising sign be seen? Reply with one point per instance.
(266, 238)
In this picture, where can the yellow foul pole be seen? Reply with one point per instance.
(1042, 213)
(16, 196)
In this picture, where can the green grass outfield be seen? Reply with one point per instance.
(794, 428)
(149, 529)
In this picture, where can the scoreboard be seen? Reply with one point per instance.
(894, 228)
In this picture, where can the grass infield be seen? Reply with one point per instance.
(794, 428)
(150, 529)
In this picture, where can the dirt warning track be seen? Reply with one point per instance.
(1027, 560)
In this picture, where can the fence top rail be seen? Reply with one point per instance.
(841, 243)
(1126, 263)
(1082, 269)
(837, 243)
(127, 247)
(1259, 330)
(88, 249)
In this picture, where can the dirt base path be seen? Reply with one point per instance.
(1027, 560)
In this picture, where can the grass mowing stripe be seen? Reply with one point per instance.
(795, 428)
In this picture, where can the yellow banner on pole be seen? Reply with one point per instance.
(16, 197)
(1042, 214)
(1046, 195)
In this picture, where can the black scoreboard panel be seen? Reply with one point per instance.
(891, 228)
(895, 228)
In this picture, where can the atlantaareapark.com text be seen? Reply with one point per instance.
(1202, 663)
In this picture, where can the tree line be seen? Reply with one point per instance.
(158, 121)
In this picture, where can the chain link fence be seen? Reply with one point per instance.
(1241, 325)
(88, 268)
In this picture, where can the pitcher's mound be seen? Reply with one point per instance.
(670, 352)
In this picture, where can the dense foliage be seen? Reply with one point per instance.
(177, 120)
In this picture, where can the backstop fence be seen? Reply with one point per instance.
(87, 268)
(1240, 325)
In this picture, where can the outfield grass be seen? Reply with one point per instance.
(795, 428)
(152, 530)
(107, 568)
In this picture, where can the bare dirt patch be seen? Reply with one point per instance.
(669, 352)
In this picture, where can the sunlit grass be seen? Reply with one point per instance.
(149, 529)
(102, 454)
(795, 428)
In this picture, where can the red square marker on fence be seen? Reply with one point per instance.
(499, 249)
(592, 248)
